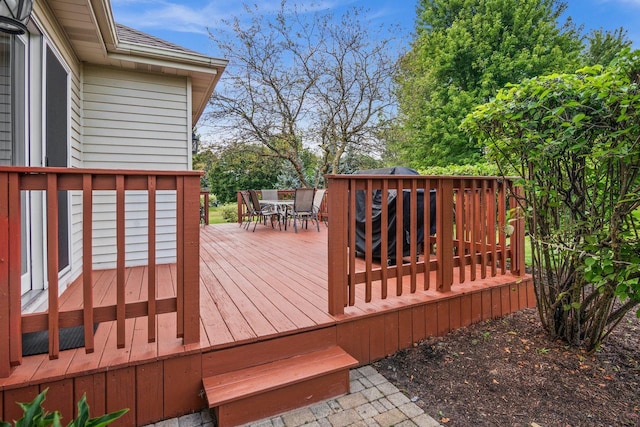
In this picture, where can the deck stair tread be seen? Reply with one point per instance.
(231, 386)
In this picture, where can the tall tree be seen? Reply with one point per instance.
(603, 46)
(304, 80)
(463, 52)
(240, 168)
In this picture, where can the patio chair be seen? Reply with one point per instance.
(268, 212)
(269, 194)
(303, 209)
(250, 211)
(317, 203)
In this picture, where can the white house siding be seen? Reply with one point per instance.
(134, 121)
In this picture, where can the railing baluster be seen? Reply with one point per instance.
(426, 241)
(399, 235)
(151, 264)
(492, 226)
(502, 223)
(352, 243)
(384, 241)
(180, 255)
(87, 260)
(474, 228)
(483, 229)
(413, 243)
(120, 261)
(460, 240)
(52, 264)
(368, 233)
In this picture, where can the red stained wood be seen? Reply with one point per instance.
(431, 320)
(149, 393)
(505, 300)
(52, 264)
(391, 333)
(442, 308)
(466, 302)
(94, 388)
(87, 254)
(121, 393)
(455, 320)
(405, 329)
(531, 293)
(476, 307)
(23, 395)
(377, 346)
(496, 306)
(120, 257)
(151, 253)
(60, 398)
(418, 327)
(244, 383)
(5, 286)
(290, 397)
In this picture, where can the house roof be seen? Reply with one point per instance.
(94, 37)
(131, 35)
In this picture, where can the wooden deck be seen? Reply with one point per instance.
(254, 287)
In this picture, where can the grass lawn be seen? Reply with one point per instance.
(216, 213)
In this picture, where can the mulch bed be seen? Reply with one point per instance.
(506, 372)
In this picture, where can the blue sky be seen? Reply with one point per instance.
(185, 22)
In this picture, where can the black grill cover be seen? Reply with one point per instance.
(376, 215)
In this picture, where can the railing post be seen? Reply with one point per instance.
(191, 259)
(239, 202)
(5, 283)
(444, 234)
(337, 200)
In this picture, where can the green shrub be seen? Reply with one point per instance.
(478, 169)
(35, 416)
(230, 213)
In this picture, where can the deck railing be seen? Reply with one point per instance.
(477, 223)
(16, 180)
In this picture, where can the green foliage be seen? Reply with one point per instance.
(463, 52)
(574, 140)
(242, 167)
(603, 46)
(35, 416)
(229, 212)
(478, 169)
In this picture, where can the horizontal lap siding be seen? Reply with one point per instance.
(134, 121)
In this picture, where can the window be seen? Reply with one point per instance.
(13, 115)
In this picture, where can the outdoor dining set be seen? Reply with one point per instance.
(268, 208)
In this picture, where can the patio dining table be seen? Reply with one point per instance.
(282, 206)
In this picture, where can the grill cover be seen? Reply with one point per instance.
(376, 215)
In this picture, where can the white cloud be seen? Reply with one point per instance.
(197, 16)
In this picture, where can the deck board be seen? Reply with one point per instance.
(253, 285)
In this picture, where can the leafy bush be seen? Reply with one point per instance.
(574, 140)
(230, 213)
(35, 416)
(478, 169)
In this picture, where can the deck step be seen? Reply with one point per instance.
(260, 391)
